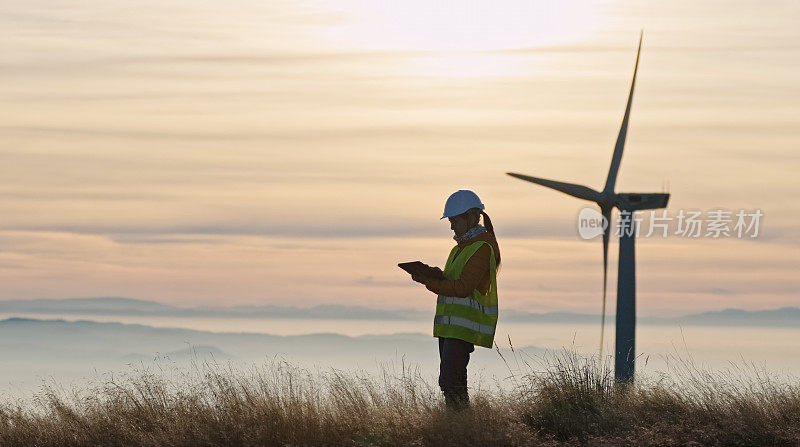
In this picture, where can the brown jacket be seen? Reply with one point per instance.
(475, 274)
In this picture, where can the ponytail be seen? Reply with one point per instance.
(487, 222)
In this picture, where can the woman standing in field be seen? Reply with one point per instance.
(466, 307)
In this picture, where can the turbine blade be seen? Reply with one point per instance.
(579, 191)
(617, 158)
(607, 216)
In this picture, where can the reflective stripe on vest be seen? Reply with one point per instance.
(472, 318)
(463, 322)
(469, 302)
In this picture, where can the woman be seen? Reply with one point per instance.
(466, 309)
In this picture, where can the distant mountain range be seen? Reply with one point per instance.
(33, 350)
(788, 316)
(783, 317)
(78, 341)
(131, 306)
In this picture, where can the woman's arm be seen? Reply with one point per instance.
(476, 269)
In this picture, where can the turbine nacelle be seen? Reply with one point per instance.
(630, 201)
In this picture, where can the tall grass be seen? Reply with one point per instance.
(568, 400)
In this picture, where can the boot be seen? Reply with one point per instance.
(456, 398)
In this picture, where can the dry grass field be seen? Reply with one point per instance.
(572, 401)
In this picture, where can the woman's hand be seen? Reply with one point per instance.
(432, 273)
(419, 278)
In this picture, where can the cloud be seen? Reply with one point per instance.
(148, 233)
(467, 131)
(744, 47)
(716, 291)
(334, 229)
(372, 282)
(210, 64)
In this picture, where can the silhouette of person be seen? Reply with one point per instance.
(466, 309)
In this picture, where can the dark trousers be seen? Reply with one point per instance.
(453, 360)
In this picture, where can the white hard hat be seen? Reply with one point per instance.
(460, 202)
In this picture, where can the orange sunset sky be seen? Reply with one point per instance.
(292, 152)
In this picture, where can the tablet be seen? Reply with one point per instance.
(415, 268)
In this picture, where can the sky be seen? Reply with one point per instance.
(292, 152)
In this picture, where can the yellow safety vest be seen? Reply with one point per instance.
(474, 318)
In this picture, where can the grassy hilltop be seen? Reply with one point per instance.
(574, 402)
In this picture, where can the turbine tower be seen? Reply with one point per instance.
(607, 199)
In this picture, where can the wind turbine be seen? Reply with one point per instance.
(607, 199)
